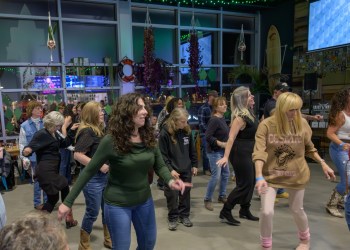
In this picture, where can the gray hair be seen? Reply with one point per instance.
(52, 119)
(34, 231)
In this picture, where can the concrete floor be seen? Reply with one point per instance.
(327, 232)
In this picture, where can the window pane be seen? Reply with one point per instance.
(29, 7)
(13, 48)
(30, 77)
(97, 11)
(202, 19)
(230, 52)
(235, 22)
(89, 77)
(76, 96)
(15, 105)
(159, 16)
(164, 46)
(13, 114)
(93, 42)
(207, 46)
(11, 77)
(208, 77)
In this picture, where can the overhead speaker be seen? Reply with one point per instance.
(310, 81)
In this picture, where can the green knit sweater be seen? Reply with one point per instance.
(127, 180)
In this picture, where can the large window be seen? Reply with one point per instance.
(91, 41)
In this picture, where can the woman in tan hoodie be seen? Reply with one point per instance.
(281, 143)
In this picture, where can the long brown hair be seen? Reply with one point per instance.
(121, 124)
(339, 101)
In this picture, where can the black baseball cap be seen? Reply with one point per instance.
(283, 87)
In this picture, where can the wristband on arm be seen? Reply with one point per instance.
(260, 178)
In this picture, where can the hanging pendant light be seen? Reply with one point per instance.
(51, 43)
(241, 45)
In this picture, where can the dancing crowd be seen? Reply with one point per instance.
(117, 157)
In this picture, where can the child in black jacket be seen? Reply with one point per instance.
(178, 150)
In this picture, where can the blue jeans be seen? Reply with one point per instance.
(143, 218)
(93, 193)
(347, 210)
(37, 190)
(205, 160)
(339, 157)
(217, 173)
(65, 169)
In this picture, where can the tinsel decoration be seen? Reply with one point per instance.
(195, 59)
(148, 56)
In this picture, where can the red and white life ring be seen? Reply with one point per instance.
(126, 70)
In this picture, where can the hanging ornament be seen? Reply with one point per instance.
(241, 45)
(51, 43)
(148, 54)
(195, 59)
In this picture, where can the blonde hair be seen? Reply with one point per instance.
(53, 119)
(90, 118)
(285, 102)
(239, 103)
(167, 100)
(175, 115)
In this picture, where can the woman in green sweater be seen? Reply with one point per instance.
(130, 148)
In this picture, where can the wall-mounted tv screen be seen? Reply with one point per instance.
(86, 81)
(74, 82)
(205, 51)
(47, 84)
(329, 24)
(96, 81)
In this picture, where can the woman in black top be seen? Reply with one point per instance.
(88, 138)
(239, 149)
(46, 144)
(216, 136)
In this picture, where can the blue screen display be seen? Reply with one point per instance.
(329, 24)
(96, 81)
(47, 82)
(53, 82)
(86, 81)
(74, 82)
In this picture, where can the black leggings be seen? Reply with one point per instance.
(53, 199)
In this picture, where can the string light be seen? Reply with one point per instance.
(214, 3)
(17, 69)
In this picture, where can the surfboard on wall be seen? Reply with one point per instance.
(273, 57)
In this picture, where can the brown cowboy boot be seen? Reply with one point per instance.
(107, 237)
